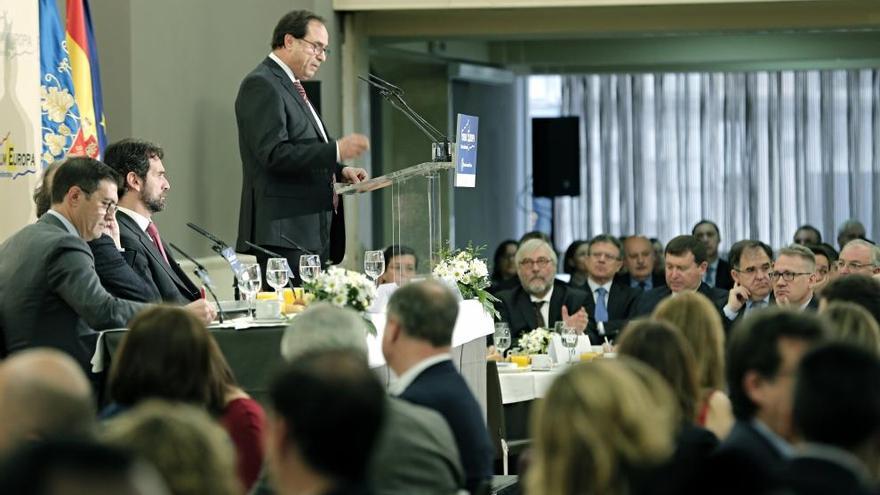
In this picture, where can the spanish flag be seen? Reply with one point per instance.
(86, 79)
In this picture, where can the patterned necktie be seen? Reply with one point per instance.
(601, 308)
(302, 92)
(153, 232)
(538, 316)
(753, 305)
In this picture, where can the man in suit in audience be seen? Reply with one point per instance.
(717, 270)
(826, 264)
(540, 300)
(289, 161)
(415, 452)
(859, 256)
(685, 265)
(611, 302)
(762, 356)
(328, 413)
(144, 193)
(794, 274)
(837, 412)
(416, 345)
(640, 260)
(752, 263)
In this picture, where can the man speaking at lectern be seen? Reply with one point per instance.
(289, 161)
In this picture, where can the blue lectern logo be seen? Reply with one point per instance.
(466, 156)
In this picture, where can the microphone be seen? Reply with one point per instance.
(211, 237)
(295, 245)
(271, 254)
(225, 252)
(202, 273)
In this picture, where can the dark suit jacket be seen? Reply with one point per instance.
(814, 476)
(650, 299)
(516, 309)
(746, 462)
(723, 278)
(286, 168)
(621, 304)
(50, 294)
(443, 389)
(729, 324)
(168, 279)
(657, 279)
(117, 275)
(680, 475)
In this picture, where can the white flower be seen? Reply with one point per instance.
(56, 143)
(57, 103)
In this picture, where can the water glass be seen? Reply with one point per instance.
(570, 341)
(249, 282)
(277, 271)
(502, 337)
(374, 264)
(309, 267)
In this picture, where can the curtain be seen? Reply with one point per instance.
(759, 153)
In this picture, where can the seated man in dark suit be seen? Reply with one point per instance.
(837, 412)
(717, 270)
(685, 265)
(752, 263)
(763, 354)
(793, 275)
(540, 300)
(640, 261)
(612, 302)
(144, 192)
(416, 345)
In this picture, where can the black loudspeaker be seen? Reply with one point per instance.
(556, 157)
(313, 91)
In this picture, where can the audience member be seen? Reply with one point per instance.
(56, 298)
(826, 264)
(536, 234)
(698, 320)
(849, 230)
(328, 411)
(752, 263)
(143, 193)
(762, 356)
(574, 263)
(416, 345)
(593, 434)
(611, 302)
(837, 412)
(504, 267)
(849, 322)
(78, 467)
(793, 275)
(400, 265)
(540, 300)
(640, 262)
(685, 265)
(191, 452)
(717, 270)
(415, 452)
(807, 235)
(44, 394)
(859, 256)
(860, 289)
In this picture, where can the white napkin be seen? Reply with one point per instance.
(559, 353)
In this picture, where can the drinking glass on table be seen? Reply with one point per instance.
(502, 337)
(309, 267)
(374, 264)
(249, 283)
(569, 341)
(277, 271)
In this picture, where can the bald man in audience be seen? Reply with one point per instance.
(849, 230)
(859, 256)
(640, 260)
(43, 394)
(794, 275)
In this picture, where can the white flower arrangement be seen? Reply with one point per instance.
(343, 288)
(535, 342)
(469, 273)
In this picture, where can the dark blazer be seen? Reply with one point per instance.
(723, 278)
(746, 462)
(650, 299)
(286, 168)
(728, 324)
(804, 475)
(443, 389)
(515, 307)
(657, 280)
(168, 279)
(50, 294)
(117, 273)
(621, 304)
(680, 474)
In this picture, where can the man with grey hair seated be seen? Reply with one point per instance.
(416, 452)
(859, 256)
(793, 278)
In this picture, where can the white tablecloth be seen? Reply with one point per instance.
(519, 386)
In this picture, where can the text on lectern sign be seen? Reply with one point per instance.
(466, 151)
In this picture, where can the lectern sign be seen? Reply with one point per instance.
(466, 151)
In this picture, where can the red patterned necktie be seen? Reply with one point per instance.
(302, 92)
(153, 232)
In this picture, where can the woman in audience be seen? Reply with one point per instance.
(852, 323)
(662, 347)
(190, 451)
(574, 263)
(598, 428)
(504, 267)
(699, 322)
